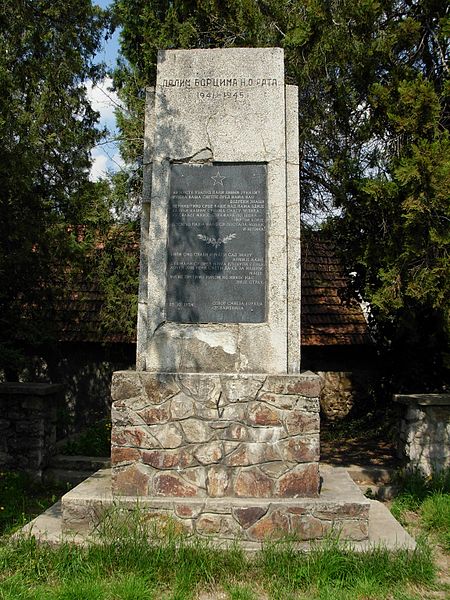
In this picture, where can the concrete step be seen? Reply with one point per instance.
(373, 481)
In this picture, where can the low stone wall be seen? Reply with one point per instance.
(28, 419)
(215, 435)
(425, 431)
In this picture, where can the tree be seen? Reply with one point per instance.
(47, 128)
(373, 115)
(395, 227)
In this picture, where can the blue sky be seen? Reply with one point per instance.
(105, 156)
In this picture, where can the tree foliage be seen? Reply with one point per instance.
(374, 147)
(47, 128)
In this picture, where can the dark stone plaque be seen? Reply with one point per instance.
(216, 244)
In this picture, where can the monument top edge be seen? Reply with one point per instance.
(235, 50)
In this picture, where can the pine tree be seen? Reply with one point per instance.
(47, 128)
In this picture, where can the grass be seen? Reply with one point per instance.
(176, 569)
(429, 499)
(21, 499)
(134, 562)
(130, 564)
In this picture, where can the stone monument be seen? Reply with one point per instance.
(217, 428)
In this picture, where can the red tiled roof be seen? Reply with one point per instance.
(327, 318)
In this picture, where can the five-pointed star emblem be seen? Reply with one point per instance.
(218, 179)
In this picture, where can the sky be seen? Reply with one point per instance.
(105, 156)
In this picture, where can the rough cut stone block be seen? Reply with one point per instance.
(301, 481)
(249, 515)
(131, 481)
(308, 385)
(168, 459)
(259, 414)
(123, 454)
(209, 453)
(300, 449)
(272, 526)
(253, 483)
(217, 482)
(170, 484)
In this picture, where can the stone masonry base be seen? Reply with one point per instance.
(341, 509)
(213, 435)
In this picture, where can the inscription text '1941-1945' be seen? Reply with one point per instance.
(216, 243)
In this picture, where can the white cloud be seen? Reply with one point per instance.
(99, 165)
(105, 157)
(104, 101)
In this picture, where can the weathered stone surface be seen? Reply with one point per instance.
(152, 415)
(261, 414)
(159, 524)
(182, 407)
(266, 434)
(229, 447)
(195, 475)
(308, 386)
(133, 436)
(275, 469)
(236, 431)
(122, 416)
(196, 431)
(302, 480)
(283, 401)
(124, 455)
(272, 526)
(217, 482)
(337, 395)
(187, 511)
(252, 454)
(249, 515)
(241, 389)
(233, 438)
(300, 449)
(131, 481)
(158, 387)
(209, 453)
(299, 422)
(222, 525)
(210, 129)
(252, 483)
(306, 527)
(125, 385)
(170, 484)
(235, 412)
(168, 436)
(352, 530)
(425, 431)
(349, 509)
(168, 459)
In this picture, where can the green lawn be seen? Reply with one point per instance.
(129, 565)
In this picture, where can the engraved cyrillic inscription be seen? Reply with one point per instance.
(216, 243)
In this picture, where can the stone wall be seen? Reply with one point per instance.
(213, 435)
(425, 431)
(85, 371)
(28, 416)
(338, 395)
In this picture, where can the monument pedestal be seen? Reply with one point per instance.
(340, 510)
(215, 435)
(226, 455)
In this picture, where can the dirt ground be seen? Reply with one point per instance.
(363, 449)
